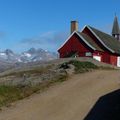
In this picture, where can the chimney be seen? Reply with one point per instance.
(74, 26)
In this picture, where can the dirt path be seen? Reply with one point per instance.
(70, 100)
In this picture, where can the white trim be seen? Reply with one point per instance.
(96, 57)
(66, 40)
(83, 28)
(88, 54)
(80, 37)
(98, 38)
(118, 61)
(85, 41)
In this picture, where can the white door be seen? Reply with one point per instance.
(118, 61)
(98, 58)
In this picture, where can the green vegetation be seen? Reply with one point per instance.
(81, 67)
(9, 94)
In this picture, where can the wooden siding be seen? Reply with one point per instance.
(74, 44)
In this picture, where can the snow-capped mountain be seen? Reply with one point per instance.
(31, 55)
(9, 56)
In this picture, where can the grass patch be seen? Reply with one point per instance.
(81, 67)
(9, 94)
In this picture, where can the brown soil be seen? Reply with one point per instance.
(70, 100)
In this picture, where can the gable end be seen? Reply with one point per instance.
(75, 32)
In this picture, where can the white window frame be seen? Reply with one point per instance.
(88, 54)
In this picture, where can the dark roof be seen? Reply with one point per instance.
(90, 41)
(115, 29)
(108, 40)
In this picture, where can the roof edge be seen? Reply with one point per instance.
(80, 37)
(98, 38)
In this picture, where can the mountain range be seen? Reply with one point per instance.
(31, 55)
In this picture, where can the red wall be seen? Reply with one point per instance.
(113, 60)
(107, 57)
(74, 44)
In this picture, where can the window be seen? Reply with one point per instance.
(88, 54)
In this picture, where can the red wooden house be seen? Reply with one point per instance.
(91, 42)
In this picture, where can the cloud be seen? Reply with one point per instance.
(49, 40)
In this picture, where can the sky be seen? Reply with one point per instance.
(46, 23)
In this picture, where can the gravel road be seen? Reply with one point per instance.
(70, 100)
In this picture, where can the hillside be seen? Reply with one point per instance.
(35, 72)
(70, 100)
(68, 89)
